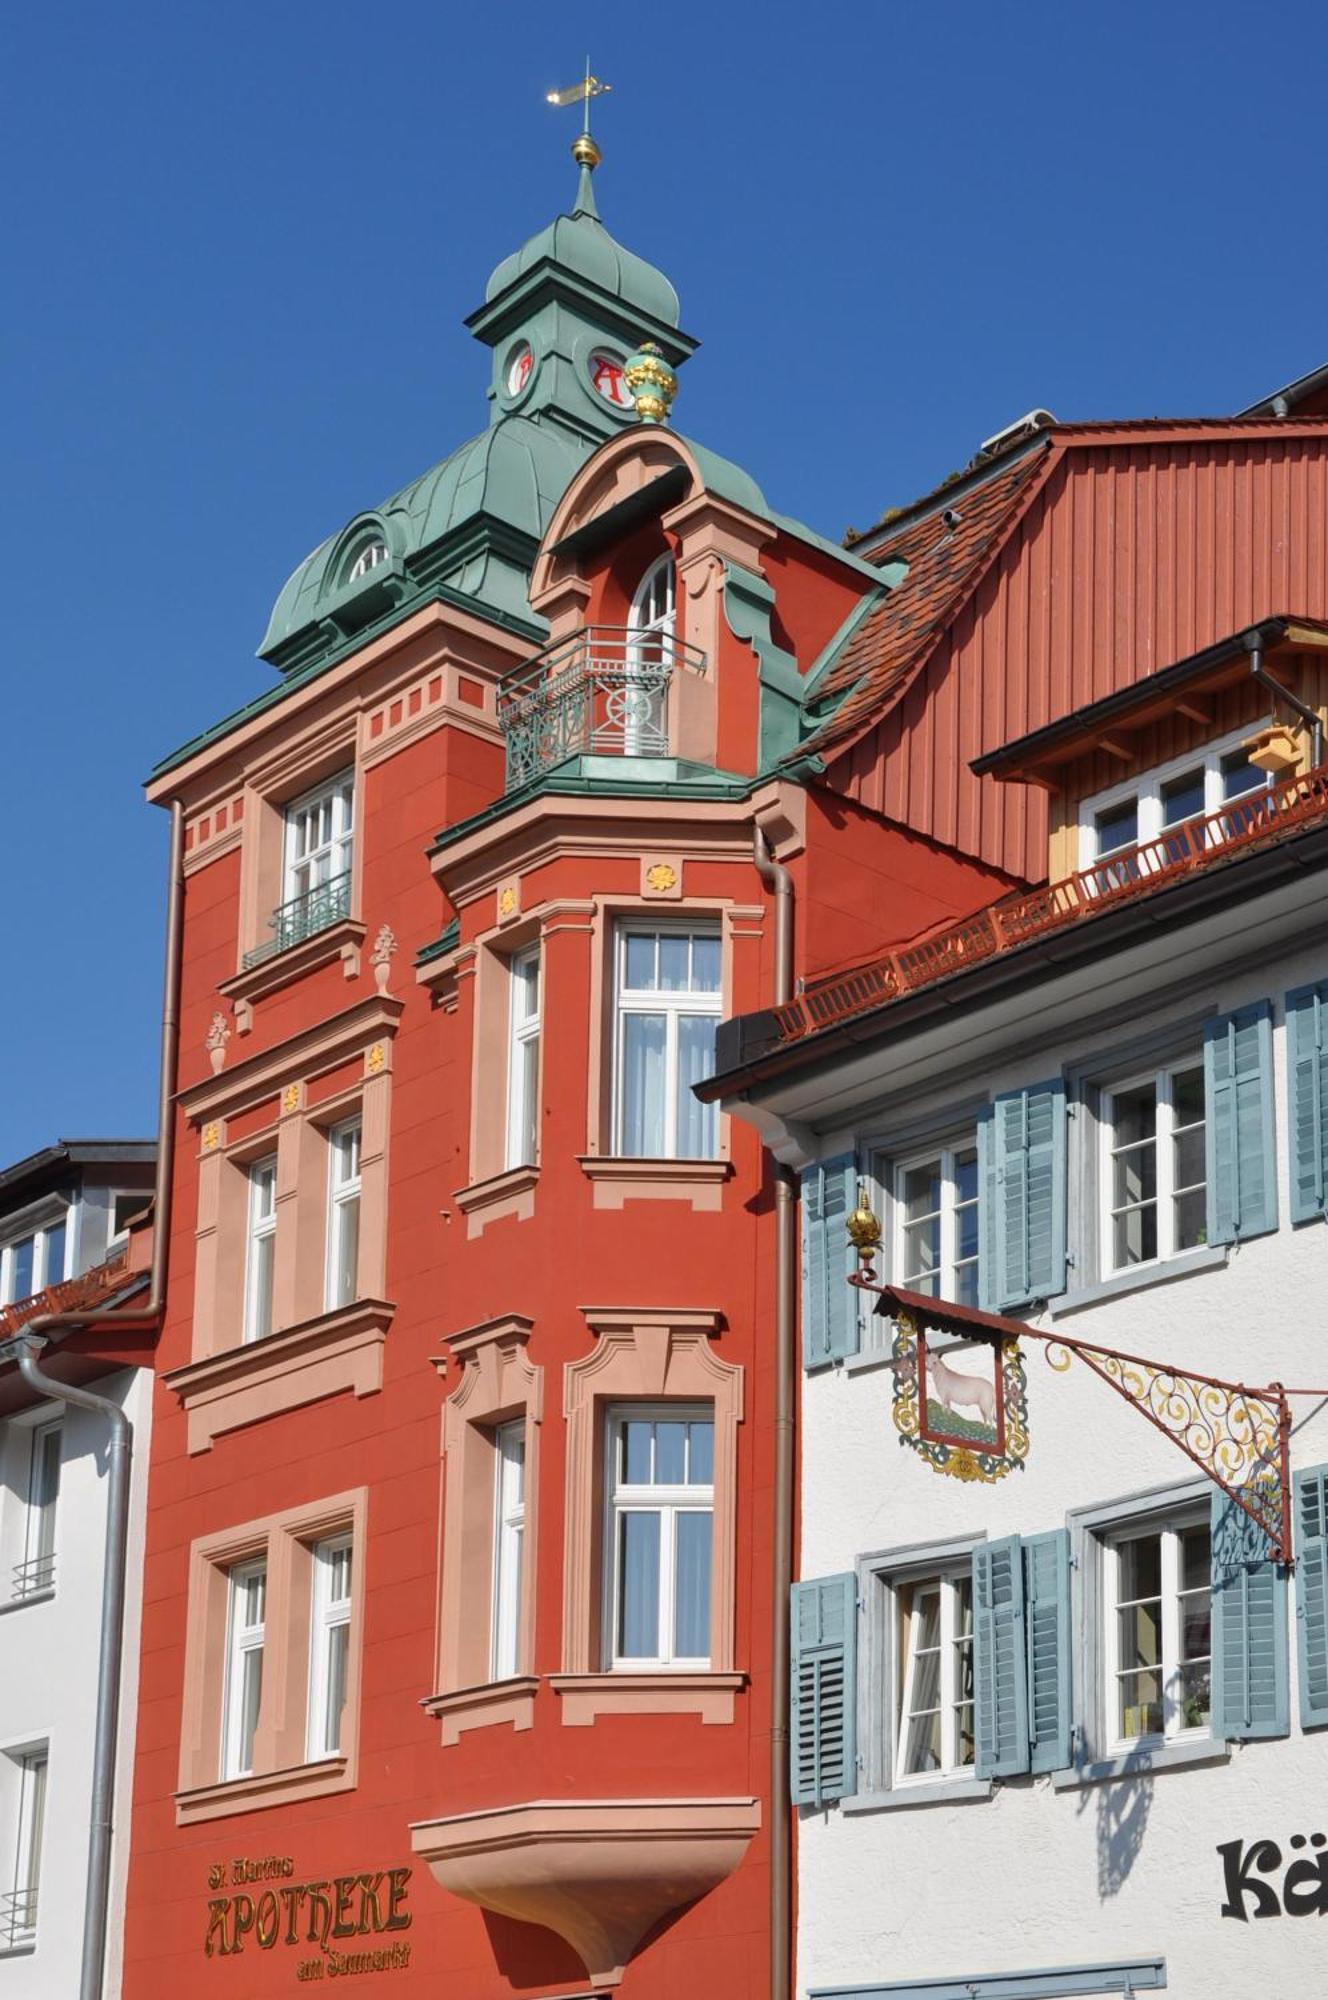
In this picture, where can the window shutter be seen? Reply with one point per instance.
(1250, 1682)
(829, 1303)
(1047, 1616)
(999, 1660)
(1307, 1067)
(1238, 1086)
(1025, 1175)
(823, 1725)
(1311, 1489)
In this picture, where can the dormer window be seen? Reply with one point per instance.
(367, 558)
(1147, 807)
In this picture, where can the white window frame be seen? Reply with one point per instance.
(368, 557)
(261, 1228)
(948, 1581)
(241, 1642)
(509, 1537)
(1168, 1526)
(641, 618)
(673, 1006)
(325, 859)
(668, 1502)
(345, 1144)
(1147, 789)
(1162, 1077)
(142, 1196)
(36, 1574)
(20, 1906)
(39, 1236)
(330, 1616)
(525, 978)
(894, 1172)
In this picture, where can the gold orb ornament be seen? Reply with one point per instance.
(652, 382)
(864, 1231)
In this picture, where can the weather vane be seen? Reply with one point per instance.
(584, 150)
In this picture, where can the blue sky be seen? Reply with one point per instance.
(245, 237)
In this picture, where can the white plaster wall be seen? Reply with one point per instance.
(48, 1690)
(1032, 1877)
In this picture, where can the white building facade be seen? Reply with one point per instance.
(1059, 1725)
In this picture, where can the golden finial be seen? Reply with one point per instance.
(584, 150)
(864, 1231)
(652, 382)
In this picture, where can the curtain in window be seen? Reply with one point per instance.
(696, 1061)
(691, 1615)
(643, 1086)
(638, 1636)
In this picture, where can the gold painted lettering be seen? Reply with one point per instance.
(243, 1907)
(292, 1898)
(344, 1924)
(371, 1910)
(218, 1912)
(267, 1921)
(397, 1880)
(320, 1914)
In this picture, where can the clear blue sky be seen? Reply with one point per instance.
(242, 237)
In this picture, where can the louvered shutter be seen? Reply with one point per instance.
(1023, 1173)
(1000, 1671)
(1311, 1503)
(1307, 1069)
(1238, 1087)
(1047, 1618)
(1249, 1631)
(829, 1303)
(823, 1725)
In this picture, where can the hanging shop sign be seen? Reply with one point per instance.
(256, 1904)
(960, 1398)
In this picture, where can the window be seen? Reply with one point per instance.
(244, 1668)
(368, 557)
(509, 1532)
(18, 1903)
(1157, 1631)
(32, 1262)
(1155, 1174)
(661, 1486)
(936, 1222)
(262, 1249)
(343, 1222)
(35, 1573)
(1142, 810)
(934, 1726)
(668, 1004)
(652, 622)
(319, 837)
(329, 1646)
(523, 1061)
(124, 1207)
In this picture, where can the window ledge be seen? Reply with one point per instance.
(512, 1193)
(321, 1357)
(264, 1788)
(614, 1181)
(21, 1948)
(1143, 1763)
(866, 1359)
(340, 940)
(490, 1702)
(947, 1792)
(1211, 1257)
(22, 1603)
(704, 1693)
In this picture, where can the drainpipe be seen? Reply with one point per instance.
(24, 1348)
(777, 878)
(1253, 643)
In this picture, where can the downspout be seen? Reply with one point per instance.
(24, 1348)
(1253, 643)
(777, 878)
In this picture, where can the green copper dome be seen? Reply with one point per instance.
(579, 243)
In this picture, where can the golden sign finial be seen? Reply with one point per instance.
(584, 150)
(864, 1231)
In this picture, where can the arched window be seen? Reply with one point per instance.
(653, 608)
(367, 557)
(648, 662)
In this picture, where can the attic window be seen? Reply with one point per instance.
(367, 557)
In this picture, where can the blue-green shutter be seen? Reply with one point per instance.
(1311, 1504)
(1000, 1671)
(1238, 1086)
(824, 1689)
(1047, 1618)
(1022, 1169)
(1251, 1695)
(1307, 1074)
(829, 1302)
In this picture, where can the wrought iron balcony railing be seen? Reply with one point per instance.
(33, 1577)
(302, 916)
(18, 1917)
(603, 692)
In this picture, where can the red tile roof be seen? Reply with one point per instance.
(93, 1289)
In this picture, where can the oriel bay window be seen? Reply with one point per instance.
(668, 1004)
(661, 1492)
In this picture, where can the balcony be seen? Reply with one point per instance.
(605, 692)
(302, 917)
(1128, 873)
(33, 1578)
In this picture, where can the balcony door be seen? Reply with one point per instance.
(652, 627)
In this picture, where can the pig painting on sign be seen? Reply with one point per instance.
(962, 1404)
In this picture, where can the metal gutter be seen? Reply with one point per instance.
(24, 1348)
